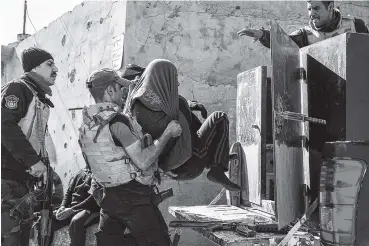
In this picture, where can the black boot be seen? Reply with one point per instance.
(217, 175)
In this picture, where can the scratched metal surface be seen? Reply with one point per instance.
(251, 129)
(288, 157)
(236, 175)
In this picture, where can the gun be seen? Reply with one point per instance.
(46, 183)
(162, 195)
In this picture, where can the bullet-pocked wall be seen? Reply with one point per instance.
(199, 37)
(80, 41)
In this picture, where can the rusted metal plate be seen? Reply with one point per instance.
(235, 175)
(337, 77)
(288, 135)
(251, 131)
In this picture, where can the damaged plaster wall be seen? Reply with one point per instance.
(80, 41)
(199, 37)
(10, 63)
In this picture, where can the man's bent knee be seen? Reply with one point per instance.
(77, 223)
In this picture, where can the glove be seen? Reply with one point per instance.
(195, 106)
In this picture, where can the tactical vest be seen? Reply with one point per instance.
(346, 24)
(110, 164)
(34, 124)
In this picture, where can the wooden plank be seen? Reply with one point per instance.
(251, 130)
(235, 175)
(288, 135)
(224, 213)
(227, 213)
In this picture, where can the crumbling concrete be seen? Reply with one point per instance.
(199, 37)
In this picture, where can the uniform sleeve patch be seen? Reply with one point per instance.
(11, 102)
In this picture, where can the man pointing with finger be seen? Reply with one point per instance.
(24, 115)
(325, 21)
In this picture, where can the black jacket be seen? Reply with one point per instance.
(17, 153)
(77, 196)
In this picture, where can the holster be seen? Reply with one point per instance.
(162, 195)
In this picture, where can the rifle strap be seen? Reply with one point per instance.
(176, 238)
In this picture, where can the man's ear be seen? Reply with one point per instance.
(331, 6)
(110, 90)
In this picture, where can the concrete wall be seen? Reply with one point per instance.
(10, 63)
(199, 37)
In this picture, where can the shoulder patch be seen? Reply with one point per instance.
(11, 102)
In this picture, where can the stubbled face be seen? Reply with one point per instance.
(319, 14)
(48, 71)
(116, 94)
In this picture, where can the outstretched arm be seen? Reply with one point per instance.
(264, 36)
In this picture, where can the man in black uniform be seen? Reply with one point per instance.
(24, 115)
(122, 166)
(78, 208)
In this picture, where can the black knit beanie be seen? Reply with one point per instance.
(33, 57)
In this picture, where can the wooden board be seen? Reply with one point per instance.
(235, 174)
(251, 130)
(234, 214)
(288, 135)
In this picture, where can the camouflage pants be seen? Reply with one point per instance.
(11, 192)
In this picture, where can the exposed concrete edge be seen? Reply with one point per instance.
(75, 8)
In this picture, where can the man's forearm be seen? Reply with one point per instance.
(88, 204)
(67, 199)
(297, 37)
(152, 152)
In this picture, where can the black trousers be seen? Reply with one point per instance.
(131, 206)
(210, 146)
